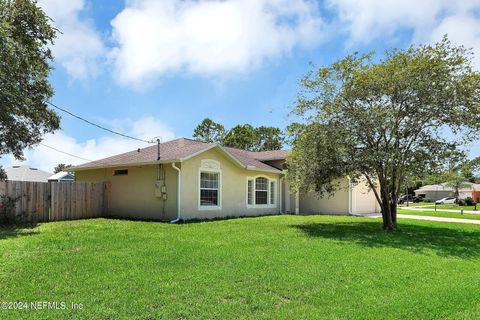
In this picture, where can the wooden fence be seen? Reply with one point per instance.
(54, 201)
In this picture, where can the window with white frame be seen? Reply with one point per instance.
(272, 192)
(209, 189)
(250, 191)
(261, 192)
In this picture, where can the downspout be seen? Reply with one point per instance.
(350, 189)
(179, 189)
(297, 202)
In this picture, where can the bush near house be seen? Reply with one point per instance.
(7, 210)
(469, 201)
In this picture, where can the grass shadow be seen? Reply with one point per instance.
(411, 237)
(12, 231)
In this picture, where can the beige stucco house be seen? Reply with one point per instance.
(185, 179)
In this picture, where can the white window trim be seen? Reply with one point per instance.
(220, 193)
(274, 192)
(261, 206)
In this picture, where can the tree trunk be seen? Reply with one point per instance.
(389, 211)
(388, 203)
(393, 211)
(389, 223)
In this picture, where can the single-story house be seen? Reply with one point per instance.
(26, 173)
(435, 192)
(62, 176)
(187, 179)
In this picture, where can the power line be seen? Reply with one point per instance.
(69, 154)
(97, 125)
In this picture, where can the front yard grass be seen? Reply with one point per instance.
(440, 214)
(279, 267)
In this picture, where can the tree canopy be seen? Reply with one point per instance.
(61, 167)
(381, 120)
(209, 131)
(242, 136)
(269, 138)
(25, 34)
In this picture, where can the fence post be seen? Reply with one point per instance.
(107, 186)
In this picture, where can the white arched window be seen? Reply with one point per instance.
(261, 192)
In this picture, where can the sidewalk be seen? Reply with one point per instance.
(441, 219)
(432, 208)
(426, 218)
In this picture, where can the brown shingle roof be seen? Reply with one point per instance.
(271, 155)
(182, 148)
(248, 158)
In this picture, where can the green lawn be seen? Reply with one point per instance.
(440, 214)
(280, 267)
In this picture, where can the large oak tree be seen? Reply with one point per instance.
(25, 36)
(383, 119)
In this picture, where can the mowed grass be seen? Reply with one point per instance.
(279, 267)
(440, 213)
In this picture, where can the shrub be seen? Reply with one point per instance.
(461, 202)
(469, 201)
(7, 210)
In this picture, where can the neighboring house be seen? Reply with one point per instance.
(188, 179)
(26, 173)
(438, 191)
(62, 176)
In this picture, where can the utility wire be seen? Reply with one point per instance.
(69, 154)
(97, 125)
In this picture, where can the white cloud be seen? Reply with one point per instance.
(207, 37)
(462, 29)
(368, 19)
(429, 20)
(78, 48)
(46, 159)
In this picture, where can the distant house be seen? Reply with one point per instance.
(62, 176)
(186, 179)
(438, 191)
(26, 173)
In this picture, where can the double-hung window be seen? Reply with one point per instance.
(261, 191)
(209, 189)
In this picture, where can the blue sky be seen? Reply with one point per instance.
(157, 68)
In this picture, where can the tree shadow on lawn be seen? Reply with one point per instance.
(11, 231)
(416, 238)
